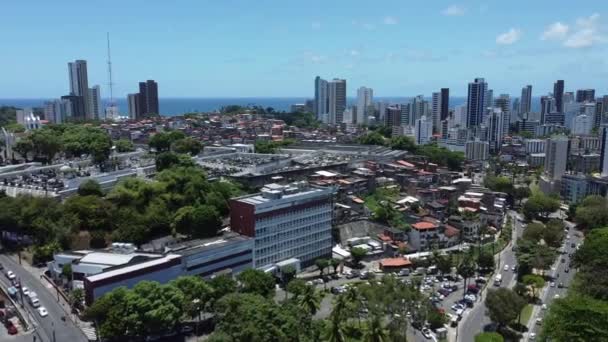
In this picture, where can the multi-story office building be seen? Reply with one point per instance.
(598, 115)
(95, 109)
(133, 102)
(321, 106)
(585, 95)
(497, 124)
(585, 163)
(419, 107)
(286, 222)
(476, 102)
(535, 145)
(365, 99)
(604, 153)
(547, 105)
(76, 107)
(556, 156)
(558, 94)
(582, 124)
(79, 85)
(525, 104)
(337, 100)
(504, 103)
(573, 188)
(57, 111)
(148, 98)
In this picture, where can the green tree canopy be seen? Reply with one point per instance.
(257, 282)
(187, 145)
(90, 187)
(124, 145)
(592, 212)
(504, 305)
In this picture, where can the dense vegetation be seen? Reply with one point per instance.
(540, 205)
(592, 212)
(269, 147)
(248, 310)
(583, 314)
(180, 200)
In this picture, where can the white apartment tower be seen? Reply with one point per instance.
(365, 98)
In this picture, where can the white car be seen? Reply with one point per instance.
(544, 307)
(25, 291)
(539, 321)
(532, 336)
(552, 284)
(42, 311)
(506, 268)
(426, 333)
(556, 296)
(10, 275)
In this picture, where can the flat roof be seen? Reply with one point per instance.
(196, 246)
(132, 268)
(106, 258)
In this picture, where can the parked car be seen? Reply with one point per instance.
(25, 291)
(10, 275)
(11, 328)
(560, 285)
(506, 268)
(539, 321)
(42, 311)
(426, 333)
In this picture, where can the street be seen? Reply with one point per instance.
(50, 328)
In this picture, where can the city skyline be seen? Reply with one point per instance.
(205, 55)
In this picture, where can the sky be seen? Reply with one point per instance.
(275, 48)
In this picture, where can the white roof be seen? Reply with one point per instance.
(408, 199)
(104, 258)
(133, 268)
(326, 173)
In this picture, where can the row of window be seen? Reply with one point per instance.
(294, 233)
(303, 252)
(269, 227)
(296, 212)
(291, 243)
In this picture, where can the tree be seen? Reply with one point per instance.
(162, 141)
(24, 147)
(167, 160)
(124, 145)
(373, 138)
(187, 145)
(403, 143)
(466, 269)
(66, 271)
(554, 233)
(375, 331)
(444, 264)
(520, 193)
(296, 287)
(256, 282)
(358, 253)
(321, 264)
(504, 305)
(485, 260)
(534, 232)
(500, 184)
(576, 318)
(540, 204)
(310, 300)
(592, 212)
(90, 187)
(46, 143)
(222, 285)
(592, 260)
(76, 299)
(489, 337)
(535, 282)
(334, 263)
(197, 293)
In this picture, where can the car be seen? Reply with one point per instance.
(552, 284)
(506, 268)
(567, 270)
(514, 268)
(573, 245)
(532, 336)
(11, 328)
(318, 281)
(539, 321)
(25, 291)
(556, 296)
(42, 311)
(426, 333)
(457, 307)
(186, 330)
(544, 307)
(10, 275)
(567, 237)
(560, 285)
(563, 260)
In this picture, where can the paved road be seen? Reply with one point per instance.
(50, 328)
(560, 276)
(475, 320)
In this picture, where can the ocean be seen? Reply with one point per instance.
(178, 106)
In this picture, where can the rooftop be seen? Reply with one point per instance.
(423, 225)
(395, 262)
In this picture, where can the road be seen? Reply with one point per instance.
(50, 328)
(475, 320)
(560, 276)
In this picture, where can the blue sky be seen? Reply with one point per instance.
(273, 48)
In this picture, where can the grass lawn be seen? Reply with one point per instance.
(526, 313)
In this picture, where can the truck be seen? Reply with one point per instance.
(498, 280)
(32, 298)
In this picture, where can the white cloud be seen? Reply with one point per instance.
(315, 25)
(585, 32)
(390, 20)
(555, 31)
(453, 10)
(509, 37)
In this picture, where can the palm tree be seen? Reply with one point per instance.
(336, 320)
(310, 300)
(466, 270)
(375, 331)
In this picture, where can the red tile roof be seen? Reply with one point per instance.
(451, 231)
(395, 262)
(424, 226)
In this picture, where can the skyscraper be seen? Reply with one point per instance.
(440, 107)
(547, 105)
(365, 98)
(476, 102)
(423, 131)
(79, 85)
(419, 108)
(558, 94)
(498, 126)
(556, 155)
(94, 104)
(525, 104)
(148, 98)
(337, 100)
(133, 101)
(585, 95)
(76, 107)
(321, 99)
(504, 103)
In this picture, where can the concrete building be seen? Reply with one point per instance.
(423, 235)
(337, 100)
(525, 104)
(556, 156)
(77, 106)
(148, 98)
(547, 106)
(133, 102)
(286, 222)
(536, 159)
(321, 107)
(585, 95)
(423, 131)
(95, 107)
(535, 145)
(477, 150)
(573, 188)
(439, 108)
(582, 124)
(365, 100)
(476, 102)
(79, 85)
(604, 153)
(497, 124)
